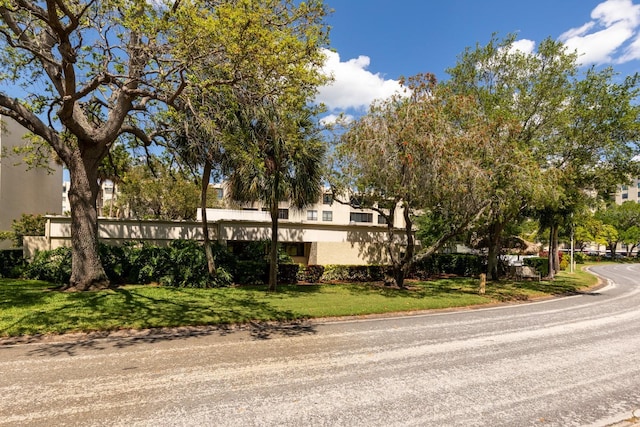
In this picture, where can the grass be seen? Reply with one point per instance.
(30, 307)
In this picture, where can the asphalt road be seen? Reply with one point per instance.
(573, 361)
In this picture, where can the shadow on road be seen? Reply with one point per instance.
(72, 344)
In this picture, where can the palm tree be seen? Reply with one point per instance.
(279, 158)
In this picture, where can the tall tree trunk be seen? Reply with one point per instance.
(495, 247)
(273, 252)
(552, 257)
(206, 175)
(87, 272)
(556, 249)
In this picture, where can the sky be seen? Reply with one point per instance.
(374, 42)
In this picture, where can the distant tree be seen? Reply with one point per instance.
(27, 225)
(159, 193)
(625, 219)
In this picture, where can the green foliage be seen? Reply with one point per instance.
(310, 273)
(355, 273)
(161, 193)
(288, 273)
(541, 264)
(251, 272)
(580, 257)
(182, 263)
(53, 266)
(7, 235)
(11, 263)
(27, 225)
(464, 265)
(564, 263)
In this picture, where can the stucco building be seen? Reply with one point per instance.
(35, 191)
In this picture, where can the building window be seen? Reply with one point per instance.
(625, 196)
(625, 188)
(108, 190)
(312, 215)
(382, 219)
(294, 249)
(361, 217)
(283, 213)
(327, 199)
(327, 215)
(219, 193)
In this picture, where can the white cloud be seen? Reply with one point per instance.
(354, 87)
(611, 36)
(524, 46)
(339, 119)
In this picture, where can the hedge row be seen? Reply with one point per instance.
(11, 263)
(466, 265)
(183, 264)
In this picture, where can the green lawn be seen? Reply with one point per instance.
(30, 307)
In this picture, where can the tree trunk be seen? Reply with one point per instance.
(87, 272)
(206, 175)
(553, 258)
(273, 252)
(556, 251)
(495, 247)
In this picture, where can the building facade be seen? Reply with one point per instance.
(628, 192)
(24, 191)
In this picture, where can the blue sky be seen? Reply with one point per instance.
(374, 42)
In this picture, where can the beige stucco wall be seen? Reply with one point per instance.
(35, 191)
(324, 244)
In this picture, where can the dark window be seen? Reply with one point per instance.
(361, 217)
(312, 215)
(625, 196)
(327, 199)
(283, 213)
(382, 219)
(327, 215)
(294, 249)
(249, 209)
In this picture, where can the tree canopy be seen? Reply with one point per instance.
(84, 73)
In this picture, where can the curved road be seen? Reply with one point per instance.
(572, 361)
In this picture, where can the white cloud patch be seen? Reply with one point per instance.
(336, 119)
(612, 36)
(524, 46)
(353, 87)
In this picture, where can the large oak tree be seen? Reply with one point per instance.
(81, 74)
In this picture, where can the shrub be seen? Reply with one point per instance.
(465, 265)
(310, 273)
(541, 264)
(52, 266)
(115, 262)
(251, 272)
(580, 257)
(12, 263)
(182, 263)
(27, 225)
(564, 263)
(288, 273)
(355, 273)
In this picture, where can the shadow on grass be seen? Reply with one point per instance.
(22, 293)
(136, 315)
